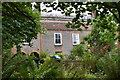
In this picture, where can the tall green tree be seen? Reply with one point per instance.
(103, 35)
(19, 23)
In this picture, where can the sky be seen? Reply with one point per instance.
(53, 13)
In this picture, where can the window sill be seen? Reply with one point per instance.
(75, 44)
(58, 44)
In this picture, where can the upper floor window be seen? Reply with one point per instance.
(57, 38)
(75, 38)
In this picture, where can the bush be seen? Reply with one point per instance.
(87, 75)
(91, 66)
(76, 51)
(49, 69)
(44, 54)
(105, 66)
(23, 66)
(73, 70)
(17, 65)
(89, 62)
(109, 65)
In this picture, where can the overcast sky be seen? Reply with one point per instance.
(53, 13)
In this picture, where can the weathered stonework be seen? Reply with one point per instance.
(46, 42)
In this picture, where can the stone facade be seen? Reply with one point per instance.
(46, 42)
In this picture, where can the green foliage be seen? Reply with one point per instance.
(77, 51)
(105, 66)
(0, 66)
(43, 55)
(73, 70)
(109, 65)
(89, 65)
(23, 66)
(89, 61)
(20, 24)
(100, 65)
(103, 33)
(17, 65)
(52, 69)
(87, 75)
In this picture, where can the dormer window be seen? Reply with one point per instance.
(75, 38)
(57, 39)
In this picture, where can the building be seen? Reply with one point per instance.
(58, 38)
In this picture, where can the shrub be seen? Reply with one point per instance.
(50, 69)
(109, 65)
(76, 51)
(23, 66)
(89, 62)
(17, 65)
(101, 66)
(87, 75)
(44, 54)
(73, 70)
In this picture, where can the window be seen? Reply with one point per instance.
(58, 52)
(25, 43)
(57, 38)
(75, 38)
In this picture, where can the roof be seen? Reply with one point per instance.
(56, 14)
(55, 21)
(58, 26)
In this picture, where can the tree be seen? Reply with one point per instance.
(19, 22)
(103, 35)
(100, 8)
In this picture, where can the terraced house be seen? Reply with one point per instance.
(58, 38)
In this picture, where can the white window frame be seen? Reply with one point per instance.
(60, 38)
(78, 42)
(25, 43)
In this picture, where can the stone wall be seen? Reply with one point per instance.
(34, 48)
(66, 47)
(45, 43)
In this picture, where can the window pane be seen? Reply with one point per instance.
(58, 52)
(75, 38)
(58, 41)
(57, 36)
(75, 42)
